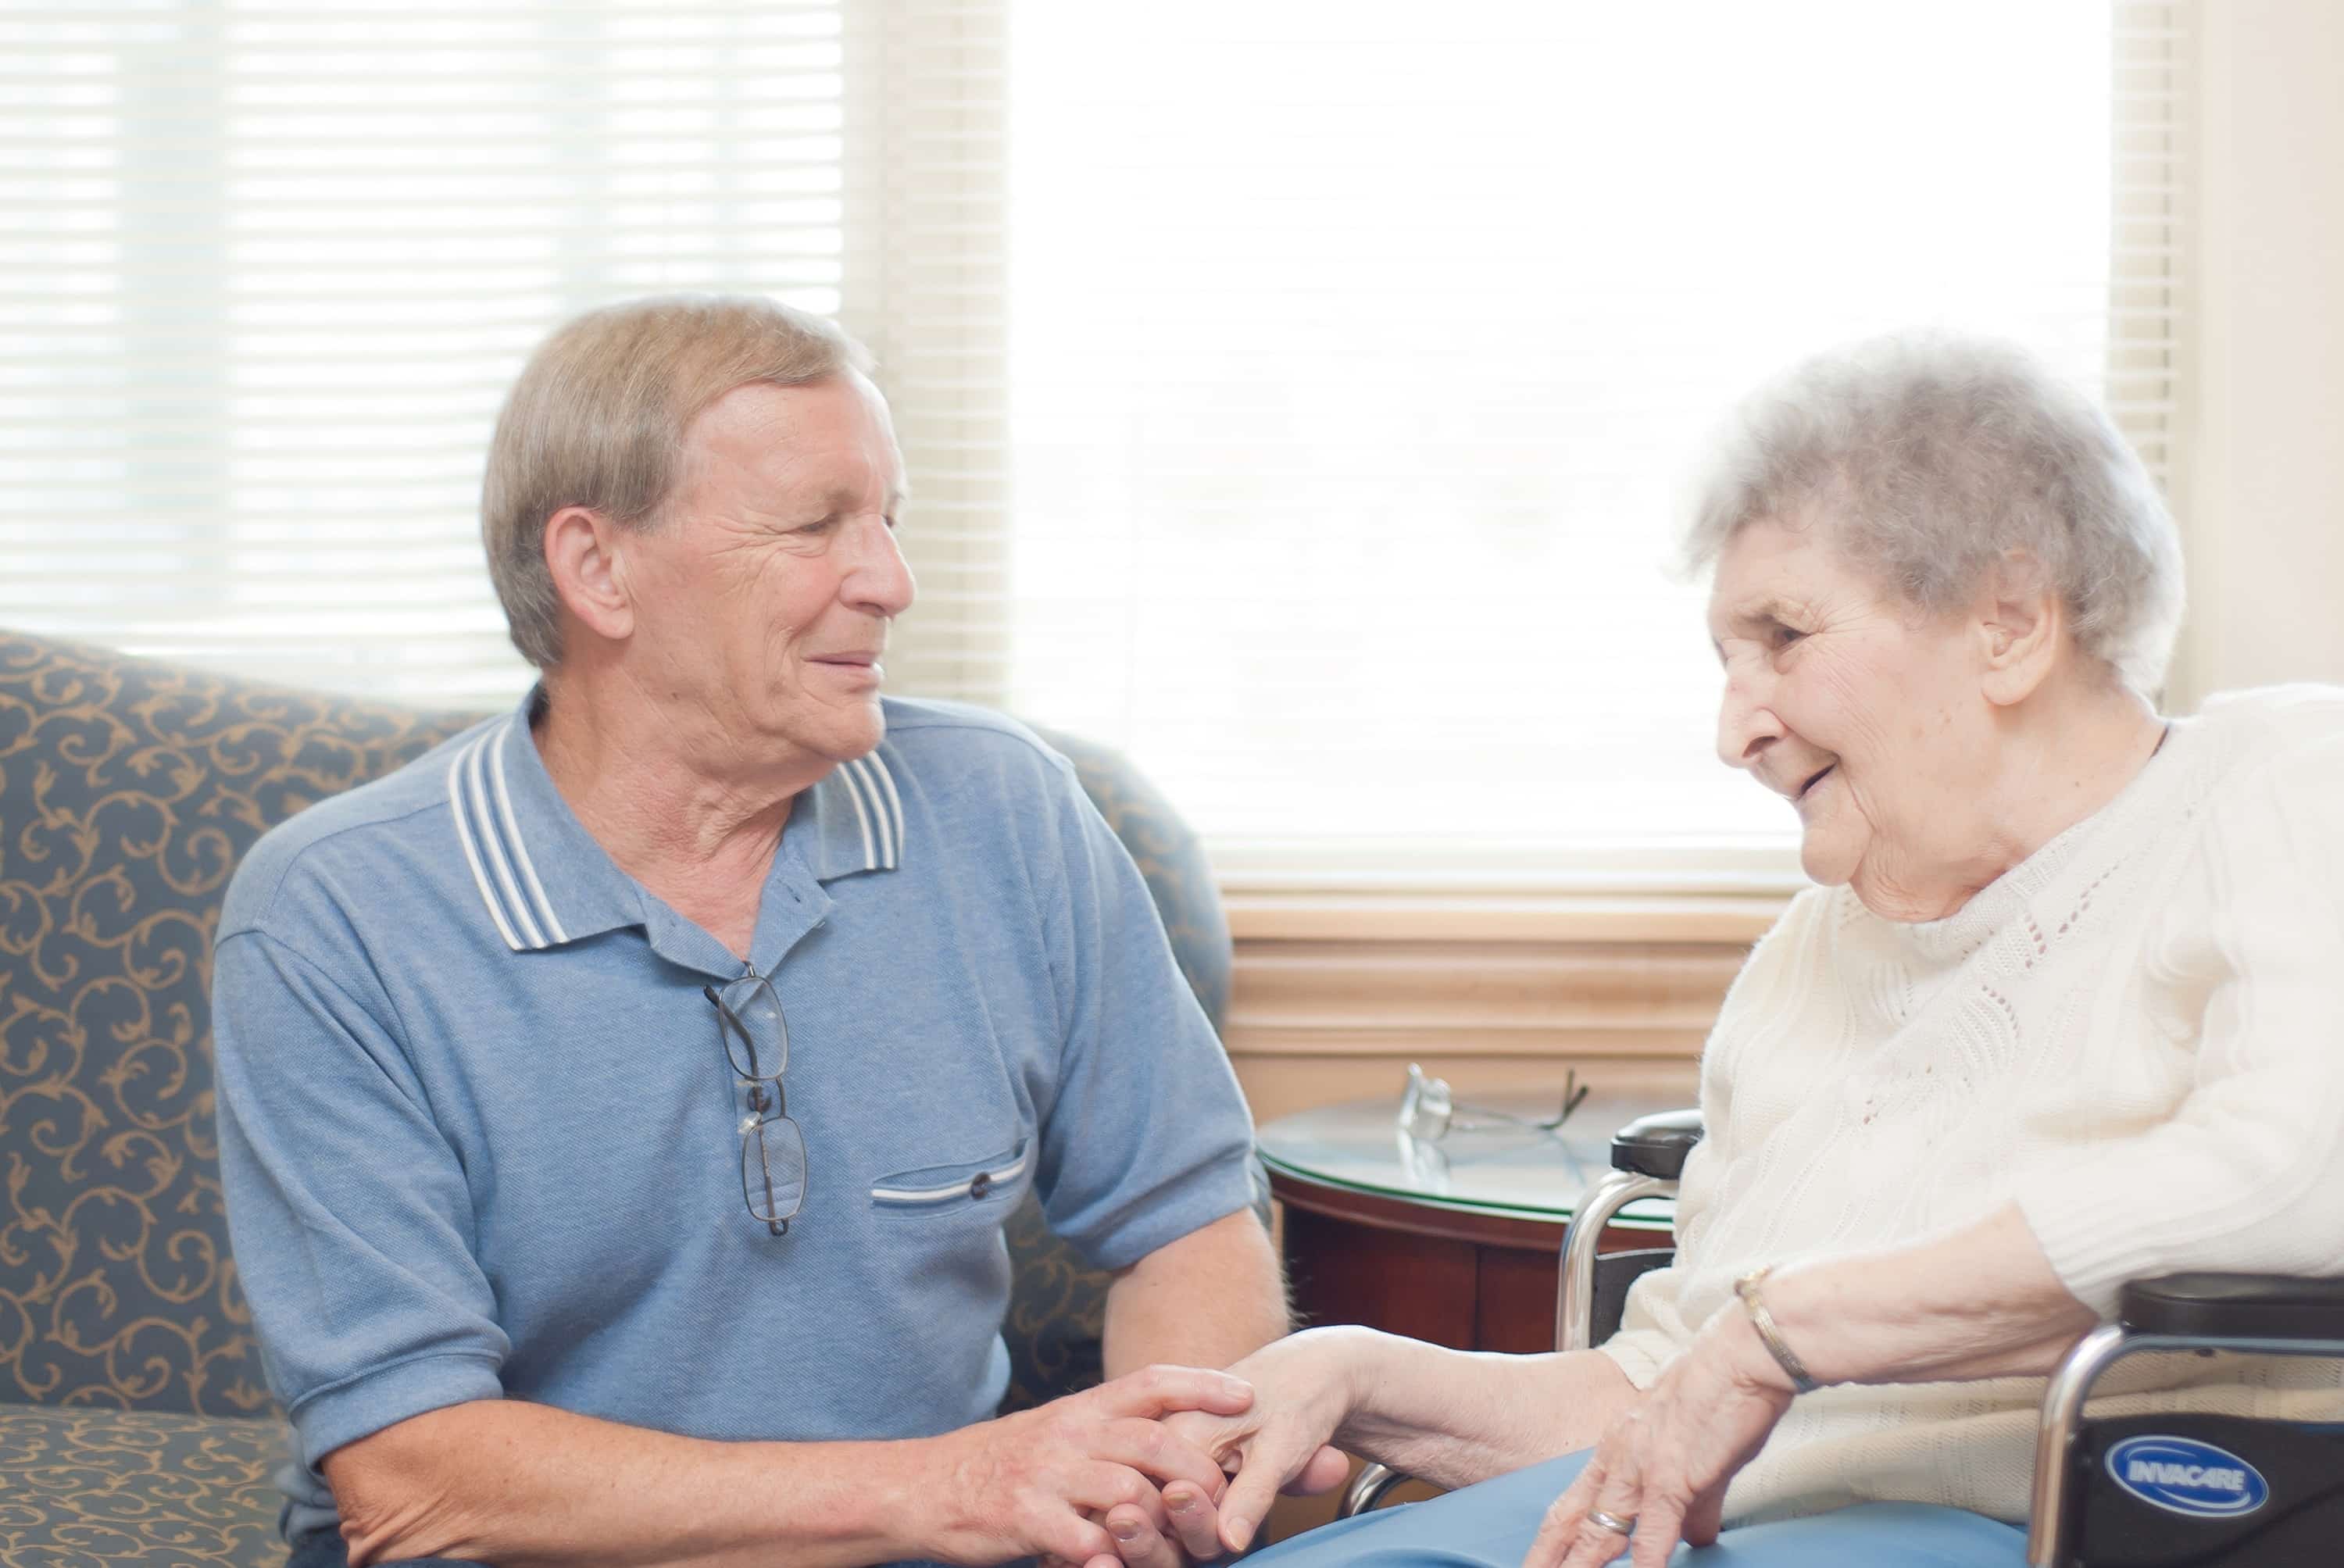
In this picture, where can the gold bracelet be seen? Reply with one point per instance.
(1768, 1334)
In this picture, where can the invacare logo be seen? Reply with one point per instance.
(2182, 1475)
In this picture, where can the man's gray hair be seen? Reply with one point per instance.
(598, 417)
(1928, 458)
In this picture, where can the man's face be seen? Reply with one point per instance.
(763, 595)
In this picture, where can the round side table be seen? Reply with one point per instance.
(1455, 1241)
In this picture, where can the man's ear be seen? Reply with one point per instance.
(584, 554)
(2021, 624)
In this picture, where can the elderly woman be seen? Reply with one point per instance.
(2061, 1012)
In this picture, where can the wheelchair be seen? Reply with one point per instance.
(2162, 1490)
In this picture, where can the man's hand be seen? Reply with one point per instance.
(1279, 1443)
(1176, 1530)
(1205, 1299)
(1032, 1484)
(1187, 1529)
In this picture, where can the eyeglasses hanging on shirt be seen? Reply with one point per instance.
(756, 1041)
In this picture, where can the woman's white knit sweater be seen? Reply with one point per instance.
(2136, 1034)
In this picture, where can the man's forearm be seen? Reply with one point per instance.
(522, 1484)
(1206, 1299)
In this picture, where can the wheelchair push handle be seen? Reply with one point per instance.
(1656, 1145)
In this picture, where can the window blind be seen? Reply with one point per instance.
(267, 267)
(1299, 395)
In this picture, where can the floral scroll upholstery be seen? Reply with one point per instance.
(134, 1422)
(84, 1487)
(127, 790)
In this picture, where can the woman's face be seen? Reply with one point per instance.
(1862, 712)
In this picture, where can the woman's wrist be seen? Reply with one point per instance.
(1345, 1367)
(1399, 1393)
(1750, 1291)
(1742, 1351)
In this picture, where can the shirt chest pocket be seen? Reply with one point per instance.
(989, 1186)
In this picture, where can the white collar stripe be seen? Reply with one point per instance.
(520, 845)
(479, 798)
(879, 809)
(478, 790)
(861, 815)
(471, 854)
(894, 805)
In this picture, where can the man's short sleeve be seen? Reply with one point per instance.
(347, 1208)
(1149, 1138)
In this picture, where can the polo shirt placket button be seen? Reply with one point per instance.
(982, 1184)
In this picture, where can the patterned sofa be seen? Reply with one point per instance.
(135, 1423)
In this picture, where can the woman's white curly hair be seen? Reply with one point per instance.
(1928, 458)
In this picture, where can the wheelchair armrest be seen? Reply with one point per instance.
(2272, 1313)
(1656, 1145)
(2235, 1306)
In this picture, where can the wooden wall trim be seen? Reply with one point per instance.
(1259, 917)
(1334, 992)
(1548, 998)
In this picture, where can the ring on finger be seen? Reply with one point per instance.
(1611, 1522)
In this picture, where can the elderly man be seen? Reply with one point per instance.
(620, 1106)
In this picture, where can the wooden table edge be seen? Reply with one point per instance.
(1441, 1220)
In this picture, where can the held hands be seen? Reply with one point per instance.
(1130, 1474)
(1275, 1444)
(1279, 1443)
(1039, 1483)
(1663, 1467)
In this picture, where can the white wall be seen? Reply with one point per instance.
(2261, 495)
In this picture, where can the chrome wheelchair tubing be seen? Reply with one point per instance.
(1574, 1301)
(1368, 1489)
(1574, 1306)
(2063, 1410)
(2063, 1407)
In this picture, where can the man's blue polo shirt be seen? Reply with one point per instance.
(480, 1137)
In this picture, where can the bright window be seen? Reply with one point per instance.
(1362, 353)
(1296, 392)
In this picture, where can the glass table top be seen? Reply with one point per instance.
(1502, 1168)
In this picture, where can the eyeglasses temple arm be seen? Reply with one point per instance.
(724, 1014)
(1574, 1093)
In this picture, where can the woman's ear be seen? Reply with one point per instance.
(2022, 624)
(583, 550)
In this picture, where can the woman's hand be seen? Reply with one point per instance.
(1035, 1483)
(1666, 1463)
(1302, 1390)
